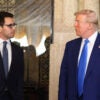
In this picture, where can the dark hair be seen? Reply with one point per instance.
(4, 14)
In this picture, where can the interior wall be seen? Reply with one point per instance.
(64, 31)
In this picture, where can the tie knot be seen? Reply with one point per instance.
(86, 41)
(4, 43)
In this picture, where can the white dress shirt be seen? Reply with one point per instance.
(9, 51)
(90, 47)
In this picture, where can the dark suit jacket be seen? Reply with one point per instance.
(68, 74)
(14, 80)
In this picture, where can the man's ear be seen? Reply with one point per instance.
(90, 26)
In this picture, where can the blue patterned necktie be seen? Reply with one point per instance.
(5, 58)
(82, 68)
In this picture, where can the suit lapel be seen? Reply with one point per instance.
(13, 57)
(76, 51)
(2, 73)
(94, 55)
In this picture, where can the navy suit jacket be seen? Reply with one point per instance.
(14, 81)
(68, 72)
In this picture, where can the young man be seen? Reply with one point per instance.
(80, 68)
(11, 61)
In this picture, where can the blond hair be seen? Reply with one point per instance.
(91, 16)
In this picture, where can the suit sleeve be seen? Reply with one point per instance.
(20, 90)
(63, 83)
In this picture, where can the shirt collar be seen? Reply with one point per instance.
(92, 38)
(1, 41)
